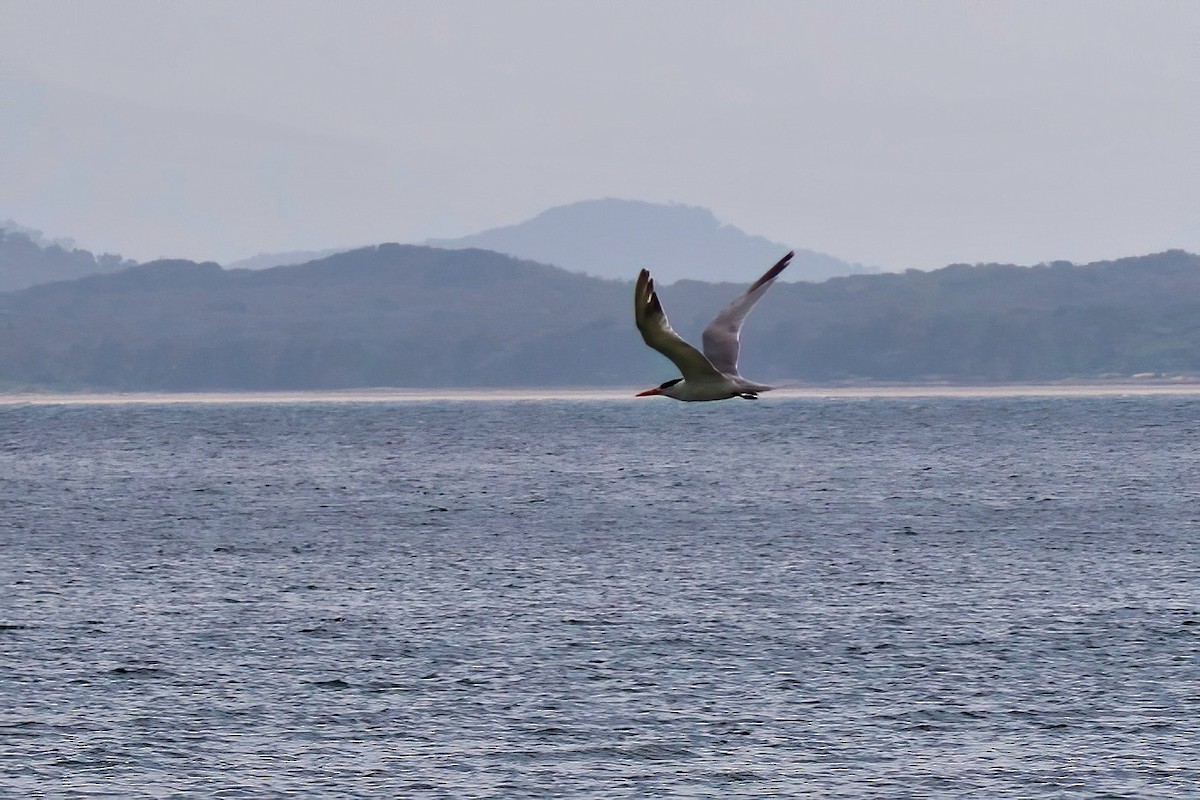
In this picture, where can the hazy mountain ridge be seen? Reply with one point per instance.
(284, 259)
(404, 315)
(603, 238)
(610, 238)
(27, 259)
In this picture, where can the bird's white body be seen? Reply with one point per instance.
(723, 388)
(713, 374)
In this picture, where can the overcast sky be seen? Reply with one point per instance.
(896, 134)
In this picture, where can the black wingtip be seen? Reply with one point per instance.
(773, 272)
(645, 299)
(655, 303)
(780, 266)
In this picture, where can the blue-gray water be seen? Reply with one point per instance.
(872, 598)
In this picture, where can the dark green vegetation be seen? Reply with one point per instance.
(398, 315)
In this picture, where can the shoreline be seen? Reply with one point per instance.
(1097, 388)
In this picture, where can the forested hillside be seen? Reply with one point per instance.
(27, 260)
(398, 315)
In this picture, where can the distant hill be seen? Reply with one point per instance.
(27, 259)
(286, 259)
(395, 315)
(616, 238)
(404, 315)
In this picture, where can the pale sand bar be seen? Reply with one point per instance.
(1183, 387)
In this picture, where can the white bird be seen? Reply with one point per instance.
(713, 374)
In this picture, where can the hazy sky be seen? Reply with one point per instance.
(891, 133)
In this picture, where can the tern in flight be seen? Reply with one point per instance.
(713, 374)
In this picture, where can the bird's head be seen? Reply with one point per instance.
(661, 389)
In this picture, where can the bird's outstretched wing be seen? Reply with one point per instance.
(656, 331)
(721, 337)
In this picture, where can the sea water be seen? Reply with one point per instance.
(885, 597)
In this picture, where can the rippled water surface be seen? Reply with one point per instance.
(828, 598)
